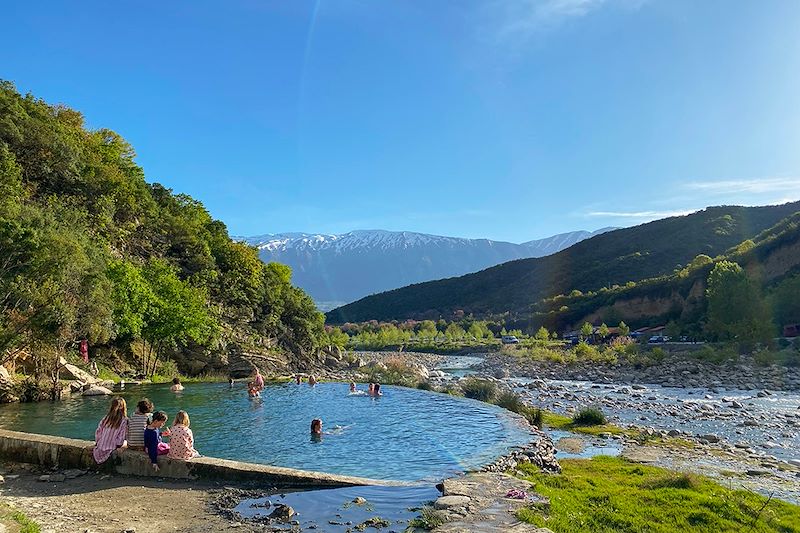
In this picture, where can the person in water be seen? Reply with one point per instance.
(312, 380)
(176, 385)
(252, 390)
(371, 389)
(352, 386)
(230, 382)
(316, 427)
(298, 379)
(376, 390)
(258, 380)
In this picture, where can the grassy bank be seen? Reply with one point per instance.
(16, 521)
(565, 423)
(612, 495)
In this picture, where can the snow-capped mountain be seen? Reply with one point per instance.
(336, 269)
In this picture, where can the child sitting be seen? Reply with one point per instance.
(181, 440)
(152, 438)
(111, 431)
(137, 423)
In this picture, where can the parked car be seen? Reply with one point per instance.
(658, 339)
(509, 339)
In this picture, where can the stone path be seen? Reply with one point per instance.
(476, 503)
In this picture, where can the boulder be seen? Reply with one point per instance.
(710, 438)
(97, 390)
(282, 512)
(449, 502)
(72, 372)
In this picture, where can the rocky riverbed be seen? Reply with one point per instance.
(677, 371)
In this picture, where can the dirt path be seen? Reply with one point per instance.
(101, 503)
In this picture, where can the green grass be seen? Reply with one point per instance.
(26, 525)
(612, 495)
(557, 421)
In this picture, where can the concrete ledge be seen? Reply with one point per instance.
(61, 452)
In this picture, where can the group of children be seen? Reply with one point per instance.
(143, 432)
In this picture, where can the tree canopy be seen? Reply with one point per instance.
(90, 250)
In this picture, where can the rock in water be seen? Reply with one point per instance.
(96, 390)
(282, 512)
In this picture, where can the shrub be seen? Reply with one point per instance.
(589, 416)
(511, 401)
(424, 385)
(534, 416)
(479, 389)
(31, 390)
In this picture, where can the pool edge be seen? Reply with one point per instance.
(52, 451)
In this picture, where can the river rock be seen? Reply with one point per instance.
(282, 512)
(73, 372)
(710, 438)
(445, 503)
(97, 390)
(795, 462)
(757, 472)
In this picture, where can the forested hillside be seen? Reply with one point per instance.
(90, 250)
(614, 258)
(751, 291)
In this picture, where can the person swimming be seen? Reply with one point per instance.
(312, 380)
(354, 391)
(298, 379)
(252, 390)
(316, 427)
(376, 390)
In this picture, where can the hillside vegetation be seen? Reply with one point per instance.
(615, 258)
(90, 250)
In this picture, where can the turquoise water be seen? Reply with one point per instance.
(406, 434)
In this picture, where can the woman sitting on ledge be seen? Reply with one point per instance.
(111, 431)
(181, 440)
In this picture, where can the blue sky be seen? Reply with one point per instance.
(506, 119)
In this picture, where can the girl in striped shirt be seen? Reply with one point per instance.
(111, 431)
(136, 424)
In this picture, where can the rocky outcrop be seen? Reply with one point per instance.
(540, 452)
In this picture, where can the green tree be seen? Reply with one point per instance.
(736, 309)
(624, 330)
(177, 313)
(542, 334)
(586, 330)
(603, 331)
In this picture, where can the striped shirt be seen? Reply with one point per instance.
(108, 439)
(136, 425)
(181, 443)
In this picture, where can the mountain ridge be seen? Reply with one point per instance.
(345, 267)
(616, 257)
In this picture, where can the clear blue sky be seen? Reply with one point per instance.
(506, 119)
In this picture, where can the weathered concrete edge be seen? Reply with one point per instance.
(51, 451)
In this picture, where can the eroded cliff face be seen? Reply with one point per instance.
(778, 263)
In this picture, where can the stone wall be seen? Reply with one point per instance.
(64, 453)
